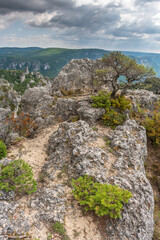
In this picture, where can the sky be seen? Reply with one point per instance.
(124, 25)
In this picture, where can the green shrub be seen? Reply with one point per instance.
(121, 102)
(104, 199)
(102, 100)
(59, 228)
(3, 150)
(152, 125)
(114, 108)
(17, 176)
(113, 118)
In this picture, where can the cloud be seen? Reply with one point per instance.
(86, 22)
(7, 20)
(38, 6)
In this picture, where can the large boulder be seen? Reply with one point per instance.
(4, 113)
(143, 98)
(79, 75)
(50, 204)
(68, 109)
(88, 113)
(37, 102)
(9, 98)
(72, 145)
(137, 221)
(68, 146)
(6, 131)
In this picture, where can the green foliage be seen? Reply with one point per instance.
(120, 65)
(114, 108)
(14, 78)
(3, 150)
(17, 176)
(75, 118)
(104, 199)
(113, 118)
(102, 100)
(121, 103)
(152, 125)
(59, 228)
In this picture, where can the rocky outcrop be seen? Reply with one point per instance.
(5, 134)
(88, 113)
(137, 218)
(8, 97)
(50, 203)
(3, 124)
(70, 146)
(145, 99)
(68, 109)
(130, 140)
(12, 220)
(80, 75)
(38, 102)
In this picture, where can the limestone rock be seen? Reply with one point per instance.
(79, 75)
(137, 217)
(9, 98)
(37, 102)
(145, 99)
(70, 146)
(50, 204)
(88, 113)
(3, 124)
(66, 109)
(12, 220)
(131, 142)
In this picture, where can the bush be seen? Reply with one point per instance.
(17, 176)
(152, 125)
(121, 103)
(22, 124)
(3, 150)
(102, 100)
(104, 199)
(59, 228)
(113, 118)
(114, 108)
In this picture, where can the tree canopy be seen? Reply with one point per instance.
(120, 65)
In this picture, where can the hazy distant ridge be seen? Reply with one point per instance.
(49, 61)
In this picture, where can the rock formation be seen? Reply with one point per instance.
(80, 150)
(8, 97)
(70, 146)
(80, 76)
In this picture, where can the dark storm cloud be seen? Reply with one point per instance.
(86, 16)
(39, 6)
(85, 21)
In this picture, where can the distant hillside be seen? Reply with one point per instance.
(49, 61)
(22, 80)
(148, 59)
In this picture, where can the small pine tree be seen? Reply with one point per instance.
(104, 199)
(17, 176)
